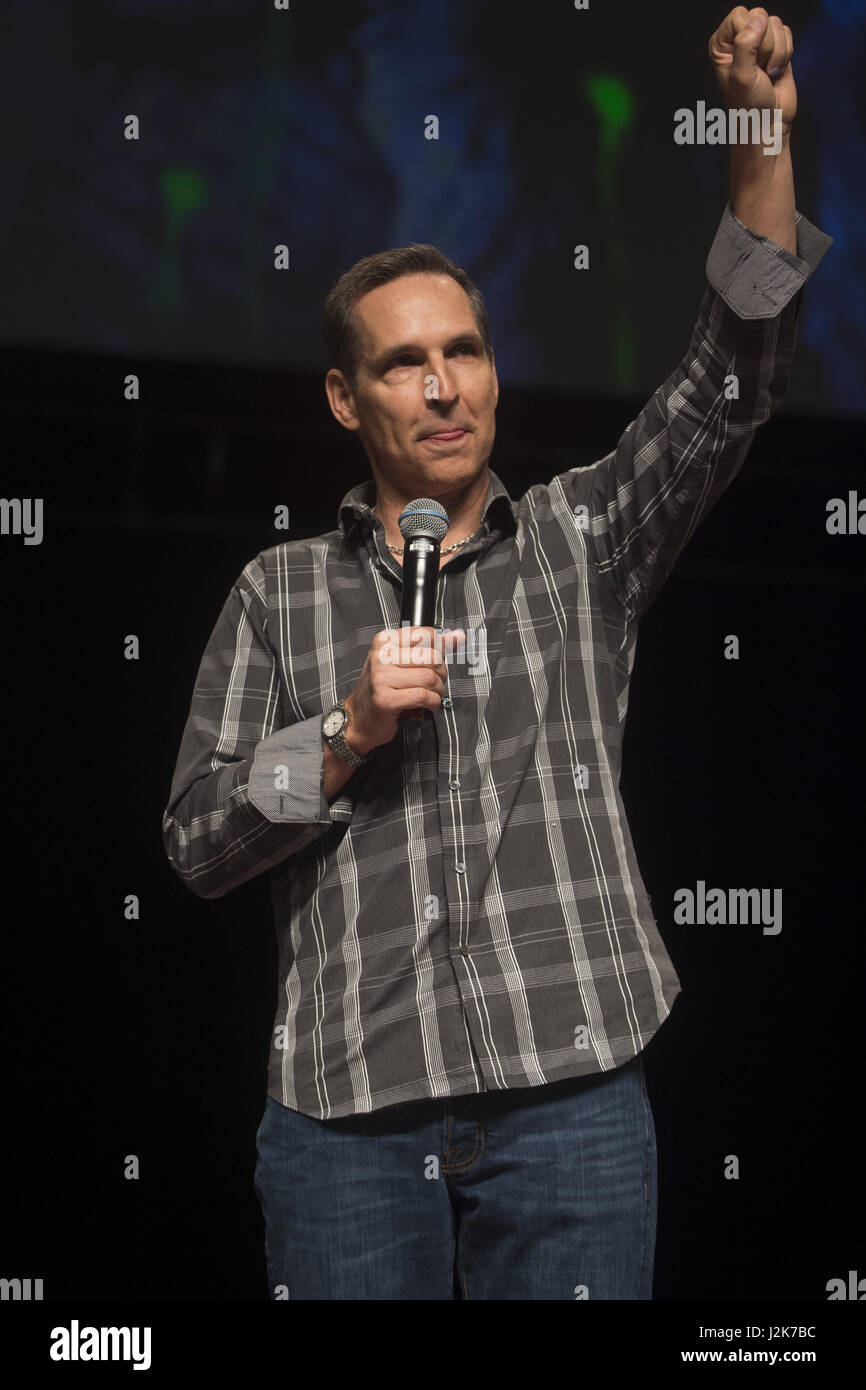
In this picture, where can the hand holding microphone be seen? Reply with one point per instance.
(403, 677)
(404, 674)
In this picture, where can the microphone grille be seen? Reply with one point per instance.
(423, 517)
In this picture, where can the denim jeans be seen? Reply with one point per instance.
(548, 1192)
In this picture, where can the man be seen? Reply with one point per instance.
(469, 963)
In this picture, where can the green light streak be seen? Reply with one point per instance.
(183, 191)
(613, 104)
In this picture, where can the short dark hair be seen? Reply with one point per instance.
(339, 328)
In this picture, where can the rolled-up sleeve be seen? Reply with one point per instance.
(286, 776)
(755, 276)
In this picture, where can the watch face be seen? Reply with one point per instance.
(333, 722)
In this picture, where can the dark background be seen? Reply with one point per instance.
(305, 128)
(151, 1037)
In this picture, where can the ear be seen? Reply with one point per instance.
(341, 400)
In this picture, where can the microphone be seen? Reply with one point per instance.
(423, 525)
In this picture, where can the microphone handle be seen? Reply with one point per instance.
(418, 605)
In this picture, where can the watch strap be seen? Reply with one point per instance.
(341, 747)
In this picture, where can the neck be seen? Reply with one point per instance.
(465, 510)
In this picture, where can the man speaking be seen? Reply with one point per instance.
(469, 966)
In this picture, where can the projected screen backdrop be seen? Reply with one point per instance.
(308, 127)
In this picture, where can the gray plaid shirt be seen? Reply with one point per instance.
(468, 913)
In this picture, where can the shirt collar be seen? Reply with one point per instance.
(356, 508)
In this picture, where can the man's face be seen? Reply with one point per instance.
(426, 437)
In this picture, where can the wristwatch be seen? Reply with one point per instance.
(333, 724)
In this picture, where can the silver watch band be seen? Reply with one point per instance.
(341, 747)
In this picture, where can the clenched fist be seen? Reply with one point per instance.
(751, 53)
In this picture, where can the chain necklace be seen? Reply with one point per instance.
(398, 549)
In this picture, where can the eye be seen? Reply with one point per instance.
(405, 359)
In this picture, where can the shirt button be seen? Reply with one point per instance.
(454, 784)
(447, 702)
(464, 950)
(460, 867)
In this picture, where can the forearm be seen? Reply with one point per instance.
(762, 192)
(337, 771)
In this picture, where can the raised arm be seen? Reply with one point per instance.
(643, 500)
(751, 53)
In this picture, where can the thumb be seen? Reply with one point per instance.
(747, 44)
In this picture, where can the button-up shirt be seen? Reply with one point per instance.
(467, 913)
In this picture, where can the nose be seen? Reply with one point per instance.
(446, 389)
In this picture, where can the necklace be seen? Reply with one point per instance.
(398, 549)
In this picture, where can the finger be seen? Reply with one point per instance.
(403, 652)
(728, 30)
(765, 48)
(404, 677)
(421, 700)
(450, 637)
(427, 677)
(421, 656)
(416, 650)
(746, 46)
(777, 56)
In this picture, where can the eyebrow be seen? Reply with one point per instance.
(383, 358)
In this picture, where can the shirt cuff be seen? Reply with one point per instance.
(285, 781)
(755, 277)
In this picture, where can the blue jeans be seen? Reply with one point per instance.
(544, 1193)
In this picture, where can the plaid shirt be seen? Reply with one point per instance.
(468, 913)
